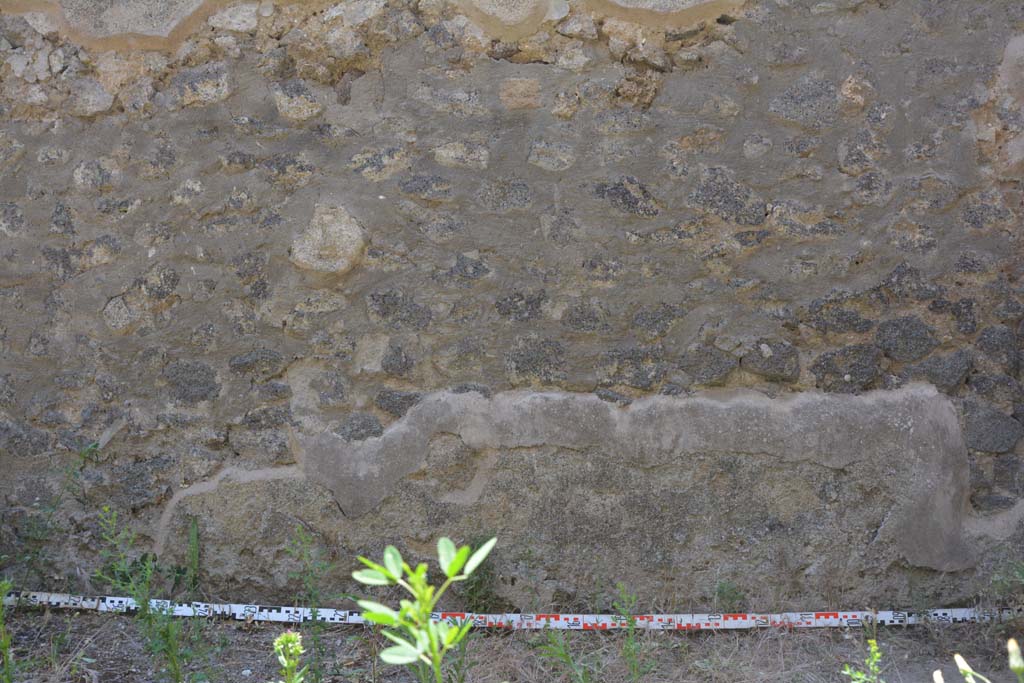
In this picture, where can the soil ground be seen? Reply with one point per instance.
(67, 647)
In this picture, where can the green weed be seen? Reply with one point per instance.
(311, 576)
(728, 596)
(419, 643)
(288, 648)
(632, 649)
(557, 651)
(57, 642)
(461, 665)
(1008, 583)
(138, 576)
(480, 595)
(6, 655)
(192, 568)
(40, 527)
(872, 663)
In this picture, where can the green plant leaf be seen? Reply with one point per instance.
(400, 654)
(479, 556)
(382, 618)
(378, 567)
(1016, 660)
(371, 577)
(371, 606)
(393, 560)
(459, 561)
(445, 554)
(398, 640)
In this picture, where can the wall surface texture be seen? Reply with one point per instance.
(669, 292)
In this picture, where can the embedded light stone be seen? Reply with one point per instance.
(295, 101)
(466, 155)
(241, 18)
(520, 93)
(333, 243)
(88, 98)
(355, 12)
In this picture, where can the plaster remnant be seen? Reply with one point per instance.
(507, 19)
(667, 13)
(912, 435)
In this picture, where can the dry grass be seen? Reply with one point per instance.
(91, 648)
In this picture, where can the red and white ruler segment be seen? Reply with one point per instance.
(571, 622)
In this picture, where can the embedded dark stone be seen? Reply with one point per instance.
(140, 484)
(656, 321)
(997, 388)
(945, 372)
(541, 359)
(584, 316)
(261, 362)
(521, 306)
(429, 187)
(906, 283)
(776, 361)
(992, 502)
(398, 309)
(628, 195)
(638, 367)
(191, 381)
(905, 339)
(396, 361)
(505, 195)
(331, 391)
(18, 438)
(719, 193)
(396, 403)
(848, 370)
(750, 238)
(359, 427)
(827, 318)
(611, 396)
(468, 387)
(1008, 473)
(988, 429)
(12, 218)
(468, 268)
(707, 365)
(999, 344)
(964, 314)
(812, 102)
(268, 417)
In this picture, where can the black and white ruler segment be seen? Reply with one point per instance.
(518, 621)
